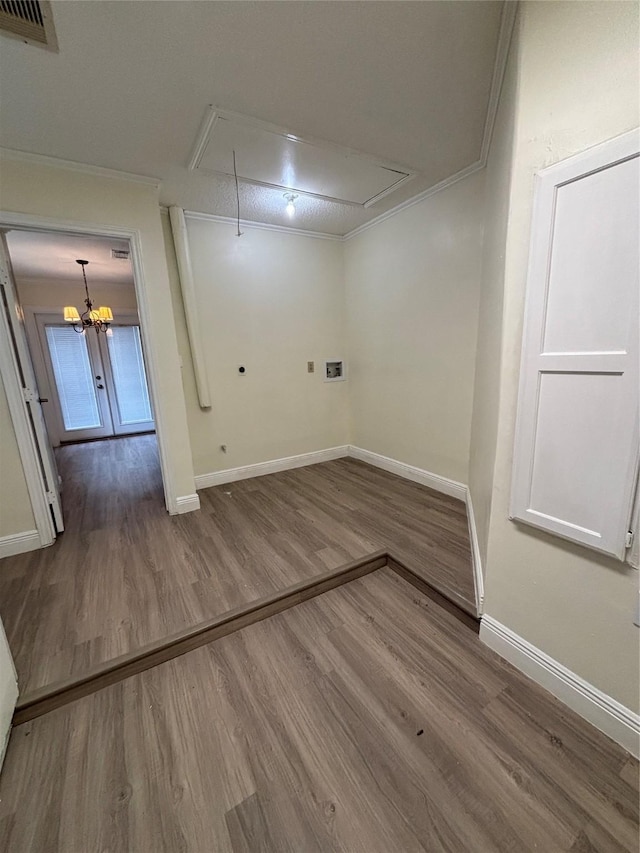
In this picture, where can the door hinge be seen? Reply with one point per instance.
(51, 497)
(628, 539)
(29, 395)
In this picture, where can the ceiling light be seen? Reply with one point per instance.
(291, 208)
(99, 320)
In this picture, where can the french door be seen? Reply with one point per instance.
(97, 383)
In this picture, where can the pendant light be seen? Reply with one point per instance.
(99, 320)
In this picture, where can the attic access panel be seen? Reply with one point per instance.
(269, 156)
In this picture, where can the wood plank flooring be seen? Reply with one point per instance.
(367, 720)
(125, 574)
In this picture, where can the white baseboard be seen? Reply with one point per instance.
(187, 503)
(410, 472)
(230, 475)
(476, 560)
(614, 719)
(18, 543)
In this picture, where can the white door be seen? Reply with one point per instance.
(126, 378)
(97, 383)
(8, 691)
(77, 405)
(577, 434)
(13, 323)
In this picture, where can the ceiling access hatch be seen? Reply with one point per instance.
(270, 156)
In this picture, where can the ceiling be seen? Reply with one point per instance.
(40, 255)
(402, 82)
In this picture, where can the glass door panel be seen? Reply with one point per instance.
(77, 372)
(127, 381)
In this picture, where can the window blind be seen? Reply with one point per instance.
(74, 378)
(129, 378)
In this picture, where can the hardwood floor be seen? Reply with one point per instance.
(125, 574)
(367, 720)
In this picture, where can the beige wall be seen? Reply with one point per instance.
(484, 423)
(269, 301)
(578, 86)
(413, 285)
(16, 515)
(64, 195)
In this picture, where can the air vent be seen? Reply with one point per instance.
(122, 254)
(29, 20)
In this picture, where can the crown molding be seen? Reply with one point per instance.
(410, 202)
(84, 168)
(507, 21)
(260, 226)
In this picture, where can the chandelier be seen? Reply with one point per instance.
(99, 320)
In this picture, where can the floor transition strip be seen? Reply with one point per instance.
(53, 696)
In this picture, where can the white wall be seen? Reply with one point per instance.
(61, 194)
(270, 301)
(413, 284)
(577, 71)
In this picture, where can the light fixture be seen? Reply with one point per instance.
(291, 208)
(99, 320)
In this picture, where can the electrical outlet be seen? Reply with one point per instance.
(310, 366)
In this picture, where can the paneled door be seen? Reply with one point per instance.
(97, 382)
(577, 448)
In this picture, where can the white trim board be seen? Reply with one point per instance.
(418, 475)
(74, 166)
(606, 714)
(19, 543)
(409, 472)
(260, 226)
(476, 560)
(259, 469)
(187, 503)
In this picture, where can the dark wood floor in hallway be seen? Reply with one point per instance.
(368, 720)
(125, 574)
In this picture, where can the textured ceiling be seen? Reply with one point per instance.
(36, 255)
(404, 81)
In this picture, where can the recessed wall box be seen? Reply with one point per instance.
(334, 370)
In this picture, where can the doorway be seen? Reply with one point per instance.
(86, 383)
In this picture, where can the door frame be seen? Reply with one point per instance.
(24, 437)
(29, 222)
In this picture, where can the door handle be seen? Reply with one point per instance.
(43, 399)
(100, 386)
